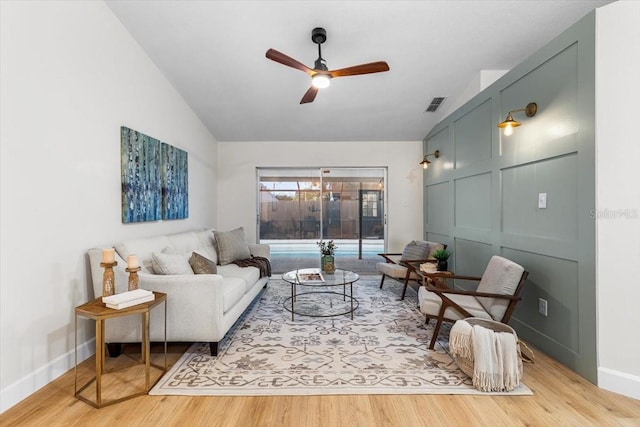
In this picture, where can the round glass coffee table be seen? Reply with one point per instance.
(317, 300)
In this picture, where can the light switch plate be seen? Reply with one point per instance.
(542, 200)
(542, 306)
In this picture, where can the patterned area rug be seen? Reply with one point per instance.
(383, 350)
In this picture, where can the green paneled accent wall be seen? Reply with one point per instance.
(557, 177)
(472, 257)
(473, 136)
(473, 207)
(481, 195)
(438, 212)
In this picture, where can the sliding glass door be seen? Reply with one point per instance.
(290, 203)
(298, 207)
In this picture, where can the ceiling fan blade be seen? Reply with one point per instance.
(310, 95)
(283, 59)
(372, 67)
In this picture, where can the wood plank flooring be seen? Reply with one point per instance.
(561, 398)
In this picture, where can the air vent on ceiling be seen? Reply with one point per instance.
(435, 103)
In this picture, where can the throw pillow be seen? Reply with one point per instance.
(202, 265)
(434, 247)
(415, 251)
(170, 251)
(231, 246)
(170, 264)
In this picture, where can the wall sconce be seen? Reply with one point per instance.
(509, 123)
(425, 162)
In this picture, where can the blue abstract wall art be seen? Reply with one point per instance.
(141, 179)
(155, 179)
(175, 183)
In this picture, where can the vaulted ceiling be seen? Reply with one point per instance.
(213, 52)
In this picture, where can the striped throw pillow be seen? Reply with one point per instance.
(415, 251)
(232, 246)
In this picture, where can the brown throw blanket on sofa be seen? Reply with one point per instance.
(260, 263)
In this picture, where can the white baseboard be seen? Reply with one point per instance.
(28, 385)
(619, 382)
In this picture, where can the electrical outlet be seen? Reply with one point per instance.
(542, 200)
(542, 306)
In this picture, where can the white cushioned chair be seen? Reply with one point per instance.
(495, 297)
(401, 266)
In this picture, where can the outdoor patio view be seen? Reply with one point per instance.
(300, 207)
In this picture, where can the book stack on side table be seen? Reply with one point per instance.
(128, 299)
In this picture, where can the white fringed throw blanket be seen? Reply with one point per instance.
(497, 365)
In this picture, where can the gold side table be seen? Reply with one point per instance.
(97, 311)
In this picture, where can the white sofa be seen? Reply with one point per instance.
(200, 307)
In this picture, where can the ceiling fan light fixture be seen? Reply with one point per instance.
(320, 81)
(320, 74)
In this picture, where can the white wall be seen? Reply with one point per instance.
(480, 82)
(237, 163)
(618, 196)
(71, 75)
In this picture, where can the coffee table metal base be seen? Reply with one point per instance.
(305, 304)
(318, 301)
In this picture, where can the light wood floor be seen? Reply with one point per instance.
(561, 398)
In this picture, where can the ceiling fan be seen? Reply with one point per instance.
(320, 74)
